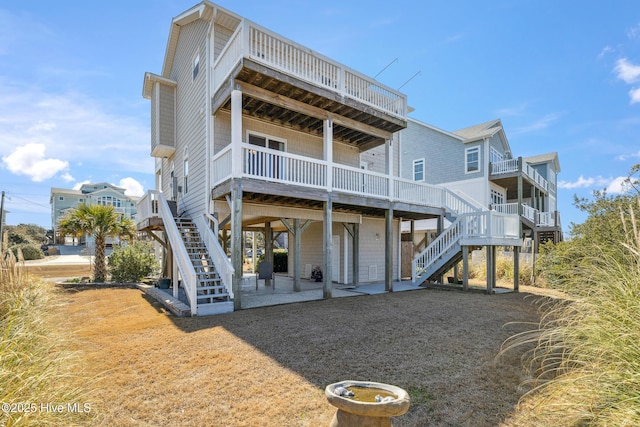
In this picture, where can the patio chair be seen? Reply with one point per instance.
(265, 271)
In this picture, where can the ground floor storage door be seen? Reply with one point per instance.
(406, 256)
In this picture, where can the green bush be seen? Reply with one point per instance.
(29, 251)
(280, 261)
(132, 262)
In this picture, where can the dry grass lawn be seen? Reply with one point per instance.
(269, 366)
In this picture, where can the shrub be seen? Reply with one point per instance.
(280, 261)
(29, 251)
(132, 262)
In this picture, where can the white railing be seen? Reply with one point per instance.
(222, 165)
(504, 166)
(208, 227)
(545, 219)
(441, 244)
(529, 213)
(278, 166)
(348, 179)
(158, 206)
(506, 208)
(268, 48)
(512, 165)
(484, 225)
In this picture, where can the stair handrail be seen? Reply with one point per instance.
(185, 267)
(209, 232)
(443, 242)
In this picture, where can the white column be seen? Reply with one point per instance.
(328, 150)
(389, 166)
(236, 133)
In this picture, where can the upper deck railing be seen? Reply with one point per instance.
(263, 46)
(513, 165)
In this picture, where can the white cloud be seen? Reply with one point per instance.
(582, 182)
(540, 124)
(132, 187)
(81, 183)
(626, 71)
(604, 51)
(611, 185)
(72, 127)
(618, 185)
(29, 160)
(634, 32)
(634, 94)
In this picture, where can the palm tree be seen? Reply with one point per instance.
(100, 221)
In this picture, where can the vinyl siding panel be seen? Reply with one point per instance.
(371, 250)
(190, 116)
(166, 115)
(444, 154)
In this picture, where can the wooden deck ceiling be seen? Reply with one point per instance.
(288, 101)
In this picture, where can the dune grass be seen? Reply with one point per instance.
(586, 362)
(36, 371)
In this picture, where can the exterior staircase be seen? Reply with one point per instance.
(211, 295)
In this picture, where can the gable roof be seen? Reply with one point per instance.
(480, 131)
(545, 158)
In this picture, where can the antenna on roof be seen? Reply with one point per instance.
(388, 65)
(412, 77)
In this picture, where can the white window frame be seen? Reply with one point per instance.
(495, 156)
(185, 171)
(196, 67)
(417, 162)
(467, 163)
(268, 138)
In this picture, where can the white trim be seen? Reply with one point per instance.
(267, 138)
(466, 159)
(413, 169)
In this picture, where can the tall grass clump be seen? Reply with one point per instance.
(586, 357)
(36, 371)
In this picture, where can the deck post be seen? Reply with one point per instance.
(388, 249)
(236, 243)
(465, 268)
(296, 254)
(439, 230)
(491, 268)
(356, 254)
(268, 248)
(327, 226)
(516, 268)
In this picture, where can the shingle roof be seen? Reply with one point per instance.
(480, 131)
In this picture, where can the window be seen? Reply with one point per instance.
(196, 66)
(418, 170)
(60, 198)
(494, 156)
(265, 164)
(472, 161)
(497, 198)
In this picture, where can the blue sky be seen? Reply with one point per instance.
(562, 76)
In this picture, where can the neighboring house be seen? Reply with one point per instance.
(63, 200)
(253, 131)
(477, 163)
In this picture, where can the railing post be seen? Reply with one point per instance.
(328, 150)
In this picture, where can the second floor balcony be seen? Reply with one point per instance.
(316, 176)
(505, 171)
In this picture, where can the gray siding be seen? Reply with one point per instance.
(190, 116)
(444, 154)
(166, 107)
